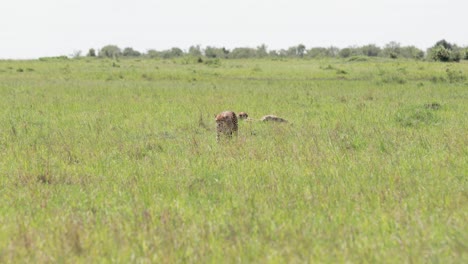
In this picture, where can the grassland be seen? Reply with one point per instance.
(116, 161)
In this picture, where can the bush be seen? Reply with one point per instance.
(464, 53)
(393, 78)
(455, 76)
(358, 58)
(445, 52)
(416, 116)
(439, 53)
(213, 62)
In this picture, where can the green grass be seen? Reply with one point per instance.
(117, 161)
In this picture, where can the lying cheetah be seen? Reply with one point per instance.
(267, 118)
(243, 115)
(273, 118)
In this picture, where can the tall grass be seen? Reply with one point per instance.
(117, 161)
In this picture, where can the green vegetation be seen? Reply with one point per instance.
(446, 52)
(441, 51)
(107, 160)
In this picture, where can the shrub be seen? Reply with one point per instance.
(358, 58)
(416, 116)
(439, 53)
(445, 52)
(455, 76)
(213, 62)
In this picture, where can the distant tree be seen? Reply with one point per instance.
(195, 51)
(110, 51)
(320, 52)
(370, 50)
(153, 53)
(76, 54)
(130, 52)
(295, 51)
(301, 50)
(345, 53)
(262, 51)
(290, 52)
(317, 52)
(171, 53)
(333, 51)
(464, 53)
(456, 55)
(273, 53)
(243, 53)
(177, 52)
(165, 54)
(285, 53)
(91, 53)
(411, 52)
(350, 51)
(212, 52)
(444, 44)
(392, 50)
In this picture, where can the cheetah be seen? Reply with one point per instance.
(273, 118)
(226, 124)
(243, 115)
(267, 118)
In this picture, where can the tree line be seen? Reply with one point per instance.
(441, 51)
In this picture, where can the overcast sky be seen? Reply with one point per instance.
(37, 28)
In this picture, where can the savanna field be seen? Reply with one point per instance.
(116, 161)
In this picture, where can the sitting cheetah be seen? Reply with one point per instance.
(226, 124)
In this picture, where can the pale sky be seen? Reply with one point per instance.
(38, 28)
